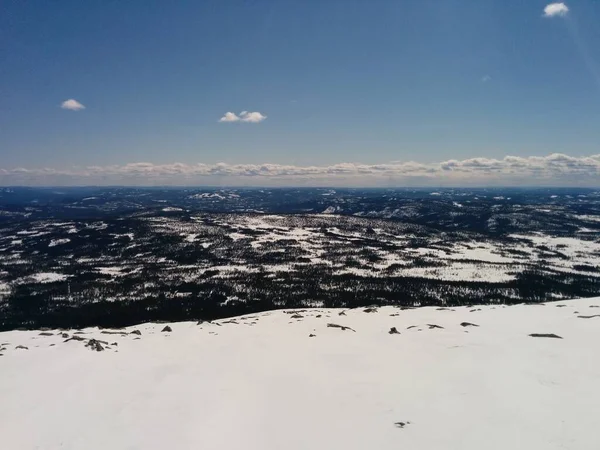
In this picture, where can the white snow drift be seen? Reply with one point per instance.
(260, 382)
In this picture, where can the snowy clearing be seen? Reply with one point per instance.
(48, 277)
(461, 378)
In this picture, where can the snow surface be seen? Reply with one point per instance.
(55, 242)
(260, 382)
(49, 277)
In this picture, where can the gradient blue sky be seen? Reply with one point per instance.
(368, 82)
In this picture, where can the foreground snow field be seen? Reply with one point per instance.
(260, 382)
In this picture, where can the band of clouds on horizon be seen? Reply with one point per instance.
(533, 170)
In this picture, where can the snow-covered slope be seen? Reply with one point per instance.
(261, 382)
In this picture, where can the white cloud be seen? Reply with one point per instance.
(252, 117)
(72, 105)
(552, 170)
(229, 117)
(244, 116)
(556, 10)
(486, 78)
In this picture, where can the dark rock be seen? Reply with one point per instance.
(594, 306)
(295, 312)
(318, 316)
(560, 306)
(394, 315)
(75, 338)
(545, 335)
(401, 424)
(370, 310)
(79, 332)
(200, 322)
(21, 347)
(233, 321)
(167, 329)
(341, 327)
(46, 333)
(93, 344)
(393, 330)
(342, 313)
(589, 317)
(138, 332)
(122, 333)
(64, 336)
(468, 324)
(412, 326)
(432, 326)
(297, 316)
(473, 310)
(115, 343)
(311, 335)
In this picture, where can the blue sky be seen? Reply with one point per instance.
(377, 84)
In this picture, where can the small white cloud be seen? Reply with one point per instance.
(252, 117)
(229, 117)
(72, 105)
(244, 116)
(486, 78)
(556, 10)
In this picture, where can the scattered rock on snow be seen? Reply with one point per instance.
(393, 330)
(401, 424)
(21, 347)
(342, 313)
(297, 316)
(412, 326)
(168, 329)
(46, 333)
(433, 325)
(370, 310)
(311, 335)
(64, 336)
(342, 327)
(138, 332)
(93, 344)
(589, 317)
(468, 324)
(545, 335)
(75, 338)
